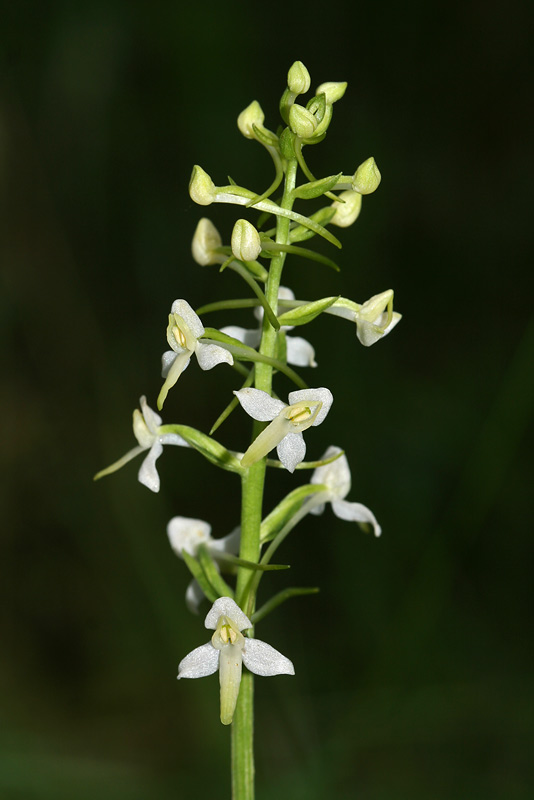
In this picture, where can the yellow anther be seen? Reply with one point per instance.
(299, 414)
(179, 336)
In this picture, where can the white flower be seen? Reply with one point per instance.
(227, 651)
(307, 407)
(146, 427)
(188, 534)
(183, 333)
(299, 352)
(374, 319)
(336, 477)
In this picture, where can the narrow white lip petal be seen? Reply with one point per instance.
(355, 512)
(209, 355)
(120, 462)
(322, 393)
(267, 440)
(248, 336)
(262, 659)
(152, 419)
(230, 666)
(199, 663)
(180, 363)
(148, 474)
(335, 475)
(193, 596)
(291, 450)
(259, 405)
(300, 352)
(188, 534)
(191, 319)
(228, 607)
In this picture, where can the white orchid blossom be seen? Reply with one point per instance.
(228, 650)
(299, 351)
(336, 477)
(146, 427)
(188, 534)
(307, 408)
(183, 333)
(374, 319)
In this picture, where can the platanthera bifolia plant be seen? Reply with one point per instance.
(257, 253)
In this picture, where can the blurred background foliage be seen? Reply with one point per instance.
(414, 664)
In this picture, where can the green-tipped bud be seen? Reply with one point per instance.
(334, 90)
(301, 121)
(252, 115)
(298, 78)
(205, 242)
(202, 190)
(348, 211)
(246, 243)
(367, 177)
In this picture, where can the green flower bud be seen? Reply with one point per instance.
(347, 212)
(205, 241)
(301, 121)
(298, 78)
(202, 190)
(252, 115)
(367, 177)
(246, 242)
(334, 90)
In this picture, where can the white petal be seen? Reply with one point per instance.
(259, 405)
(148, 474)
(356, 512)
(188, 534)
(191, 319)
(335, 475)
(249, 337)
(193, 596)
(228, 607)
(262, 659)
(209, 355)
(291, 450)
(228, 544)
(300, 352)
(369, 333)
(153, 420)
(201, 661)
(322, 394)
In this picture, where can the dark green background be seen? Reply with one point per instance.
(414, 664)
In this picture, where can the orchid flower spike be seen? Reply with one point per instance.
(299, 351)
(336, 477)
(188, 534)
(183, 333)
(227, 651)
(307, 408)
(146, 425)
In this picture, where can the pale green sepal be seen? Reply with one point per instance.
(199, 575)
(212, 450)
(307, 312)
(307, 191)
(213, 576)
(120, 463)
(280, 598)
(282, 513)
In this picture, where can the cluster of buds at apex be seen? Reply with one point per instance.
(298, 78)
(333, 90)
(367, 177)
(245, 242)
(347, 208)
(206, 240)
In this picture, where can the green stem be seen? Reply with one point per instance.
(251, 510)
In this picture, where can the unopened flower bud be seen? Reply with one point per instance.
(347, 212)
(334, 90)
(202, 190)
(367, 177)
(301, 121)
(205, 242)
(252, 115)
(298, 78)
(246, 243)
